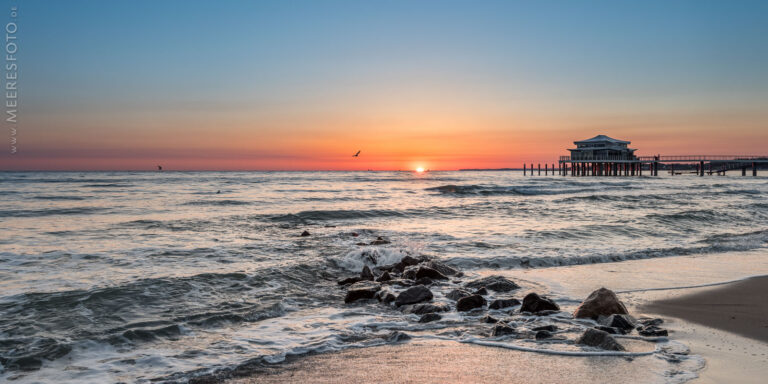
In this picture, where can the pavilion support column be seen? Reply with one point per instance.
(743, 171)
(754, 169)
(539, 169)
(701, 168)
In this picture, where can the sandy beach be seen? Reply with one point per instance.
(740, 307)
(725, 324)
(432, 361)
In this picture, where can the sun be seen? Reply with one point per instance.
(419, 169)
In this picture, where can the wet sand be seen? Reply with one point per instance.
(436, 361)
(740, 308)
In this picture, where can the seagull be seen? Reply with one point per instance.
(159, 167)
(356, 154)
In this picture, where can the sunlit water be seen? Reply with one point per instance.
(108, 277)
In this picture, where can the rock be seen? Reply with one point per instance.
(621, 322)
(535, 304)
(424, 281)
(542, 335)
(410, 272)
(549, 328)
(350, 280)
(655, 321)
(430, 273)
(495, 283)
(429, 317)
(470, 302)
(361, 290)
(384, 277)
(385, 296)
(361, 244)
(600, 302)
(399, 282)
(442, 268)
(420, 309)
(397, 336)
(600, 339)
(457, 294)
(611, 330)
(367, 274)
(501, 329)
(388, 267)
(408, 261)
(405, 262)
(413, 295)
(380, 241)
(305, 234)
(503, 303)
(355, 234)
(482, 292)
(652, 331)
(490, 319)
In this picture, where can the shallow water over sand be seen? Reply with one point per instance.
(133, 276)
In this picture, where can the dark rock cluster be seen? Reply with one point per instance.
(408, 286)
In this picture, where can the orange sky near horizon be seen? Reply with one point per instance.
(447, 142)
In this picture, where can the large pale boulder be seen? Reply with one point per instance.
(602, 302)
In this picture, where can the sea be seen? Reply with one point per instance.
(141, 277)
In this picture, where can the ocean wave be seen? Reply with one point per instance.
(508, 262)
(217, 202)
(747, 239)
(51, 212)
(29, 353)
(371, 256)
(339, 215)
(107, 185)
(170, 225)
(620, 198)
(61, 197)
(694, 215)
(154, 309)
(496, 190)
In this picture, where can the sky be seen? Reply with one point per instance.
(303, 85)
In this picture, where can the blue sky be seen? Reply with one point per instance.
(96, 74)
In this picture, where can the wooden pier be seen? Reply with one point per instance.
(621, 166)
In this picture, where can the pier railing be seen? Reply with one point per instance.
(677, 158)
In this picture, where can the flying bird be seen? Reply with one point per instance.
(356, 154)
(159, 167)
